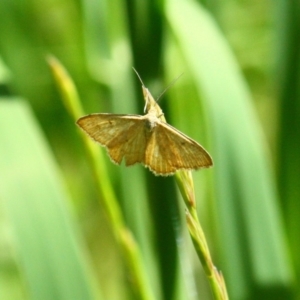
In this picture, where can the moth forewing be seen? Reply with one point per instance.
(169, 150)
(105, 127)
(190, 147)
(122, 135)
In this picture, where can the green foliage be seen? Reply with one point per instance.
(49, 250)
(48, 253)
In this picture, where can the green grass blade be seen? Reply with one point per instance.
(250, 225)
(116, 72)
(288, 141)
(34, 198)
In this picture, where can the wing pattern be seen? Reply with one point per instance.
(122, 135)
(169, 150)
(163, 149)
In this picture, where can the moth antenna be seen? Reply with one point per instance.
(139, 77)
(170, 85)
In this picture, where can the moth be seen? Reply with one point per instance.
(146, 139)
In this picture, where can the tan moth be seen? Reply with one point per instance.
(146, 139)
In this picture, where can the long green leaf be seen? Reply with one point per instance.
(251, 232)
(288, 146)
(48, 245)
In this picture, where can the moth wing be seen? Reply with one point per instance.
(169, 150)
(122, 135)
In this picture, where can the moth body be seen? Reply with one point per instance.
(151, 122)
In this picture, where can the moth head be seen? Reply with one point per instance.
(149, 100)
(150, 103)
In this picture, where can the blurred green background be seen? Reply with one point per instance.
(239, 97)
